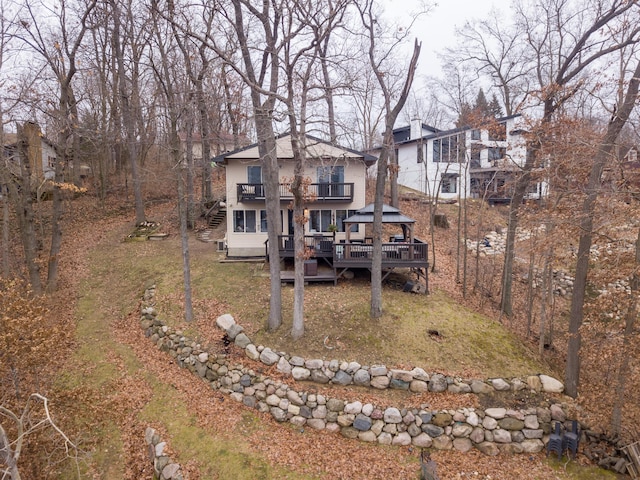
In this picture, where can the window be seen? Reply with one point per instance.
(244, 221)
(263, 221)
(476, 134)
(498, 132)
(449, 183)
(331, 181)
(341, 215)
(420, 153)
(446, 149)
(476, 151)
(496, 153)
(254, 174)
(319, 220)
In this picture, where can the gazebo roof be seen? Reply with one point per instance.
(389, 215)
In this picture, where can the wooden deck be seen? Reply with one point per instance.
(334, 259)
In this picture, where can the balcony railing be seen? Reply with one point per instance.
(315, 192)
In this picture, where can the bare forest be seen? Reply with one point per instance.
(111, 112)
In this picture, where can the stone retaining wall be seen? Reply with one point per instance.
(490, 430)
(163, 467)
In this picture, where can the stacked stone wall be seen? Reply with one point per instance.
(490, 430)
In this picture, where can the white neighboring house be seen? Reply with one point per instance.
(41, 153)
(337, 189)
(463, 162)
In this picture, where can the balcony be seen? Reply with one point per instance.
(316, 192)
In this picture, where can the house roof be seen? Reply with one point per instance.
(389, 215)
(316, 148)
(446, 133)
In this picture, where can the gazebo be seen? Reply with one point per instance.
(390, 215)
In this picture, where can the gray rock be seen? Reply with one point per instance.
(437, 383)
(362, 378)
(501, 436)
(349, 432)
(297, 361)
(462, 444)
(398, 384)
(242, 340)
(496, 413)
(300, 373)
(353, 407)
(385, 438)
(225, 321)
(420, 374)
(342, 378)
(269, 357)
(234, 330)
(316, 423)
(249, 401)
(171, 471)
(461, 430)
(367, 436)
(443, 442)
(557, 413)
(432, 430)
(252, 352)
(478, 387)
(534, 383)
(335, 405)
(377, 370)
(403, 375)
(500, 384)
(278, 414)
(319, 376)
(401, 439)
(488, 448)
(550, 384)
(489, 423)
(380, 382)
(532, 445)
(314, 363)
(392, 415)
(477, 435)
(472, 419)
(422, 440)
(362, 422)
(531, 421)
(284, 366)
(517, 436)
(511, 424)
(532, 433)
(419, 386)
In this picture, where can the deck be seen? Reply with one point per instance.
(334, 259)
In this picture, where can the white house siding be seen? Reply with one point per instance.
(426, 176)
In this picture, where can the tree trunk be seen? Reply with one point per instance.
(572, 374)
(630, 319)
(24, 210)
(184, 240)
(4, 198)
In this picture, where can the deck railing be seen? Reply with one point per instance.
(316, 192)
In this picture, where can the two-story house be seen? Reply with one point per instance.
(464, 162)
(336, 190)
(40, 152)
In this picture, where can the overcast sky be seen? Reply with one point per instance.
(436, 29)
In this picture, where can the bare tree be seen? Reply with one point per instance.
(606, 149)
(377, 56)
(25, 424)
(564, 45)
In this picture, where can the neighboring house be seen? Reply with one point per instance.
(337, 178)
(463, 162)
(41, 153)
(219, 142)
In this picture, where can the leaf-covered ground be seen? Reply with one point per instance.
(115, 384)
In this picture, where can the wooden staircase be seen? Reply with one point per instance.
(217, 217)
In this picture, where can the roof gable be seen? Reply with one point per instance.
(315, 148)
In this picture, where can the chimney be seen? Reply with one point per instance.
(416, 128)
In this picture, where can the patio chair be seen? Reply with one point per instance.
(555, 444)
(571, 440)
